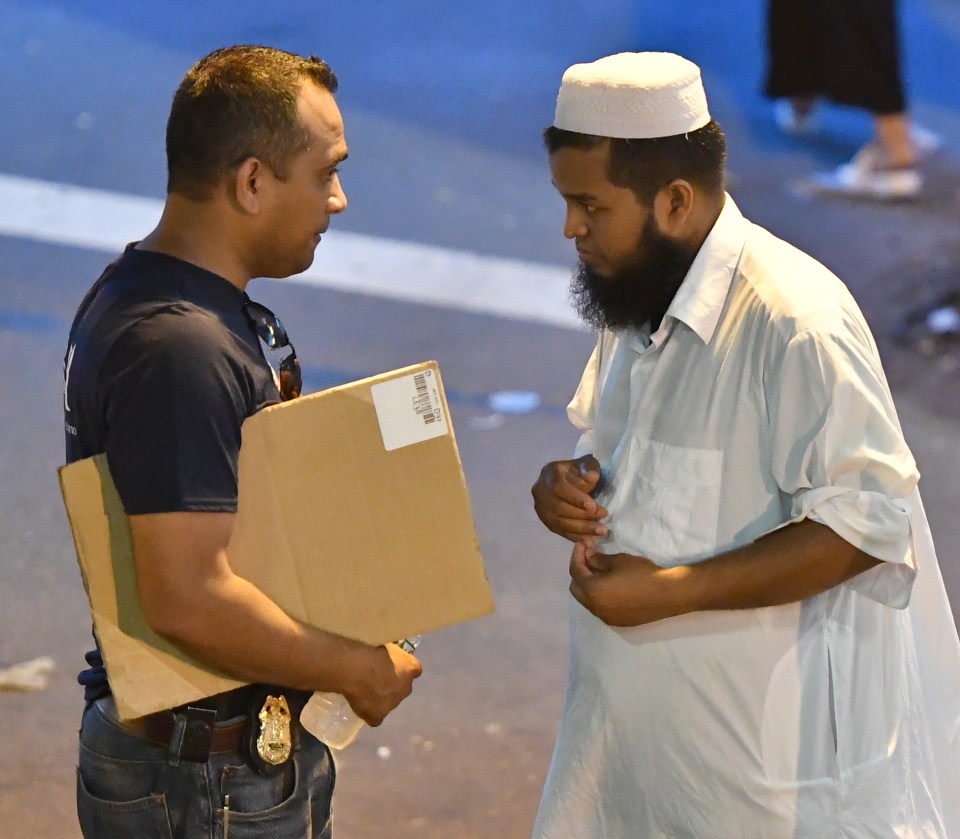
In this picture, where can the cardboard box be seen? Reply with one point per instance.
(353, 516)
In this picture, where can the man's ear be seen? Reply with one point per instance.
(673, 208)
(249, 183)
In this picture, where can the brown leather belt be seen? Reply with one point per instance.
(192, 732)
(224, 737)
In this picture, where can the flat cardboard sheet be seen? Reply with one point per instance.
(353, 516)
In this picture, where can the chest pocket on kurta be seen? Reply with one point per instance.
(664, 500)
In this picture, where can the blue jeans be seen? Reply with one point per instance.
(128, 787)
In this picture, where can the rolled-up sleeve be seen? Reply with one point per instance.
(839, 454)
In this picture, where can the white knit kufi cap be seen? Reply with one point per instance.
(633, 95)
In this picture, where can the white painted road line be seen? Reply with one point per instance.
(99, 220)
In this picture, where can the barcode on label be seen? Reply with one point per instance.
(410, 409)
(422, 402)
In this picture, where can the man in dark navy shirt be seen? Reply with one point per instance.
(163, 365)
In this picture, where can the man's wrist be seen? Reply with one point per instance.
(686, 589)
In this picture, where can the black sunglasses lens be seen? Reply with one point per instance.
(271, 336)
(291, 377)
(268, 326)
(269, 330)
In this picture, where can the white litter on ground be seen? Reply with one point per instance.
(30, 675)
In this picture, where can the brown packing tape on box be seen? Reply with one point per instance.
(353, 516)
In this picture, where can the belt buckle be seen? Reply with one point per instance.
(271, 736)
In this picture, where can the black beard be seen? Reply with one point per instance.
(637, 294)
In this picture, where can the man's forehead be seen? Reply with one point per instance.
(319, 111)
(322, 119)
(572, 166)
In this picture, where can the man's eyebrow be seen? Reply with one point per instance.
(582, 197)
(585, 197)
(335, 163)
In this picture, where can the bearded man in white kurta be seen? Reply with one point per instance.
(761, 643)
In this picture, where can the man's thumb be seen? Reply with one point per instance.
(598, 563)
(589, 468)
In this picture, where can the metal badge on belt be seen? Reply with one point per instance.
(273, 742)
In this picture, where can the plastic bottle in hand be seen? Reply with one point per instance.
(329, 717)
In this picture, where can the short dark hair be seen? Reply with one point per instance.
(238, 102)
(648, 165)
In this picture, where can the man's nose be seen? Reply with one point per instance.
(337, 202)
(574, 225)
